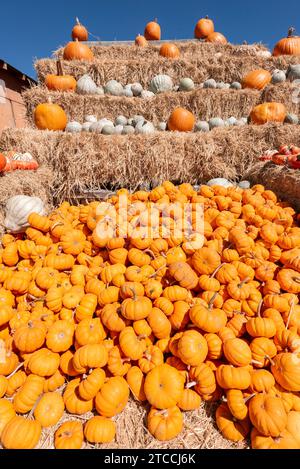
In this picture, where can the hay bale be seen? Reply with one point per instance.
(204, 103)
(35, 183)
(83, 163)
(188, 49)
(283, 181)
(222, 67)
(287, 93)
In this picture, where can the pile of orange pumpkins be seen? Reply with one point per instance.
(172, 319)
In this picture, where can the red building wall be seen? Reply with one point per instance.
(12, 107)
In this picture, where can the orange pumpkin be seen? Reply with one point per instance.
(289, 45)
(268, 112)
(169, 50)
(60, 82)
(204, 28)
(152, 31)
(181, 120)
(216, 38)
(257, 79)
(77, 51)
(49, 116)
(79, 32)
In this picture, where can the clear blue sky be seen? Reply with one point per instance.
(33, 29)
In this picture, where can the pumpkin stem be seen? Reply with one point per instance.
(217, 270)
(77, 20)
(154, 274)
(270, 360)
(190, 384)
(290, 314)
(259, 308)
(18, 367)
(148, 251)
(246, 279)
(134, 293)
(256, 362)
(163, 412)
(211, 301)
(59, 68)
(291, 31)
(249, 397)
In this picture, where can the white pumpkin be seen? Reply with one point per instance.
(128, 130)
(119, 129)
(211, 83)
(291, 119)
(18, 208)
(136, 89)
(114, 88)
(265, 54)
(161, 83)
(235, 86)
(145, 94)
(86, 85)
(108, 129)
(121, 120)
(137, 118)
(144, 128)
(86, 126)
(231, 121)
(215, 122)
(219, 182)
(90, 118)
(162, 126)
(244, 184)
(186, 84)
(278, 76)
(293, 72)
(74, 127)
(202, 126)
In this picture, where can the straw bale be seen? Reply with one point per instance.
(287, 93)
(283, 181)
(188, 49)
(83, 163)
(222, 67)
(204, 103)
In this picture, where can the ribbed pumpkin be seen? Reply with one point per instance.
(204, 28)
(181, 120)
(77, 51)
(79, 32)
(169, 50)
(268, 112)
(289, 45)
(257, 79)
(152, 31)
(216, 38)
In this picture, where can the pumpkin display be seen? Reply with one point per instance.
(204, 27)
(77, 51)
(268, 112)
(60, 82)
(257, 79)
(152, 31)
(169, 51)
(49, 116)
(289, 45)
(181, 120)
(79, 32)
(85, 322)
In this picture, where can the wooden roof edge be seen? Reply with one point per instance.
(6, 66)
